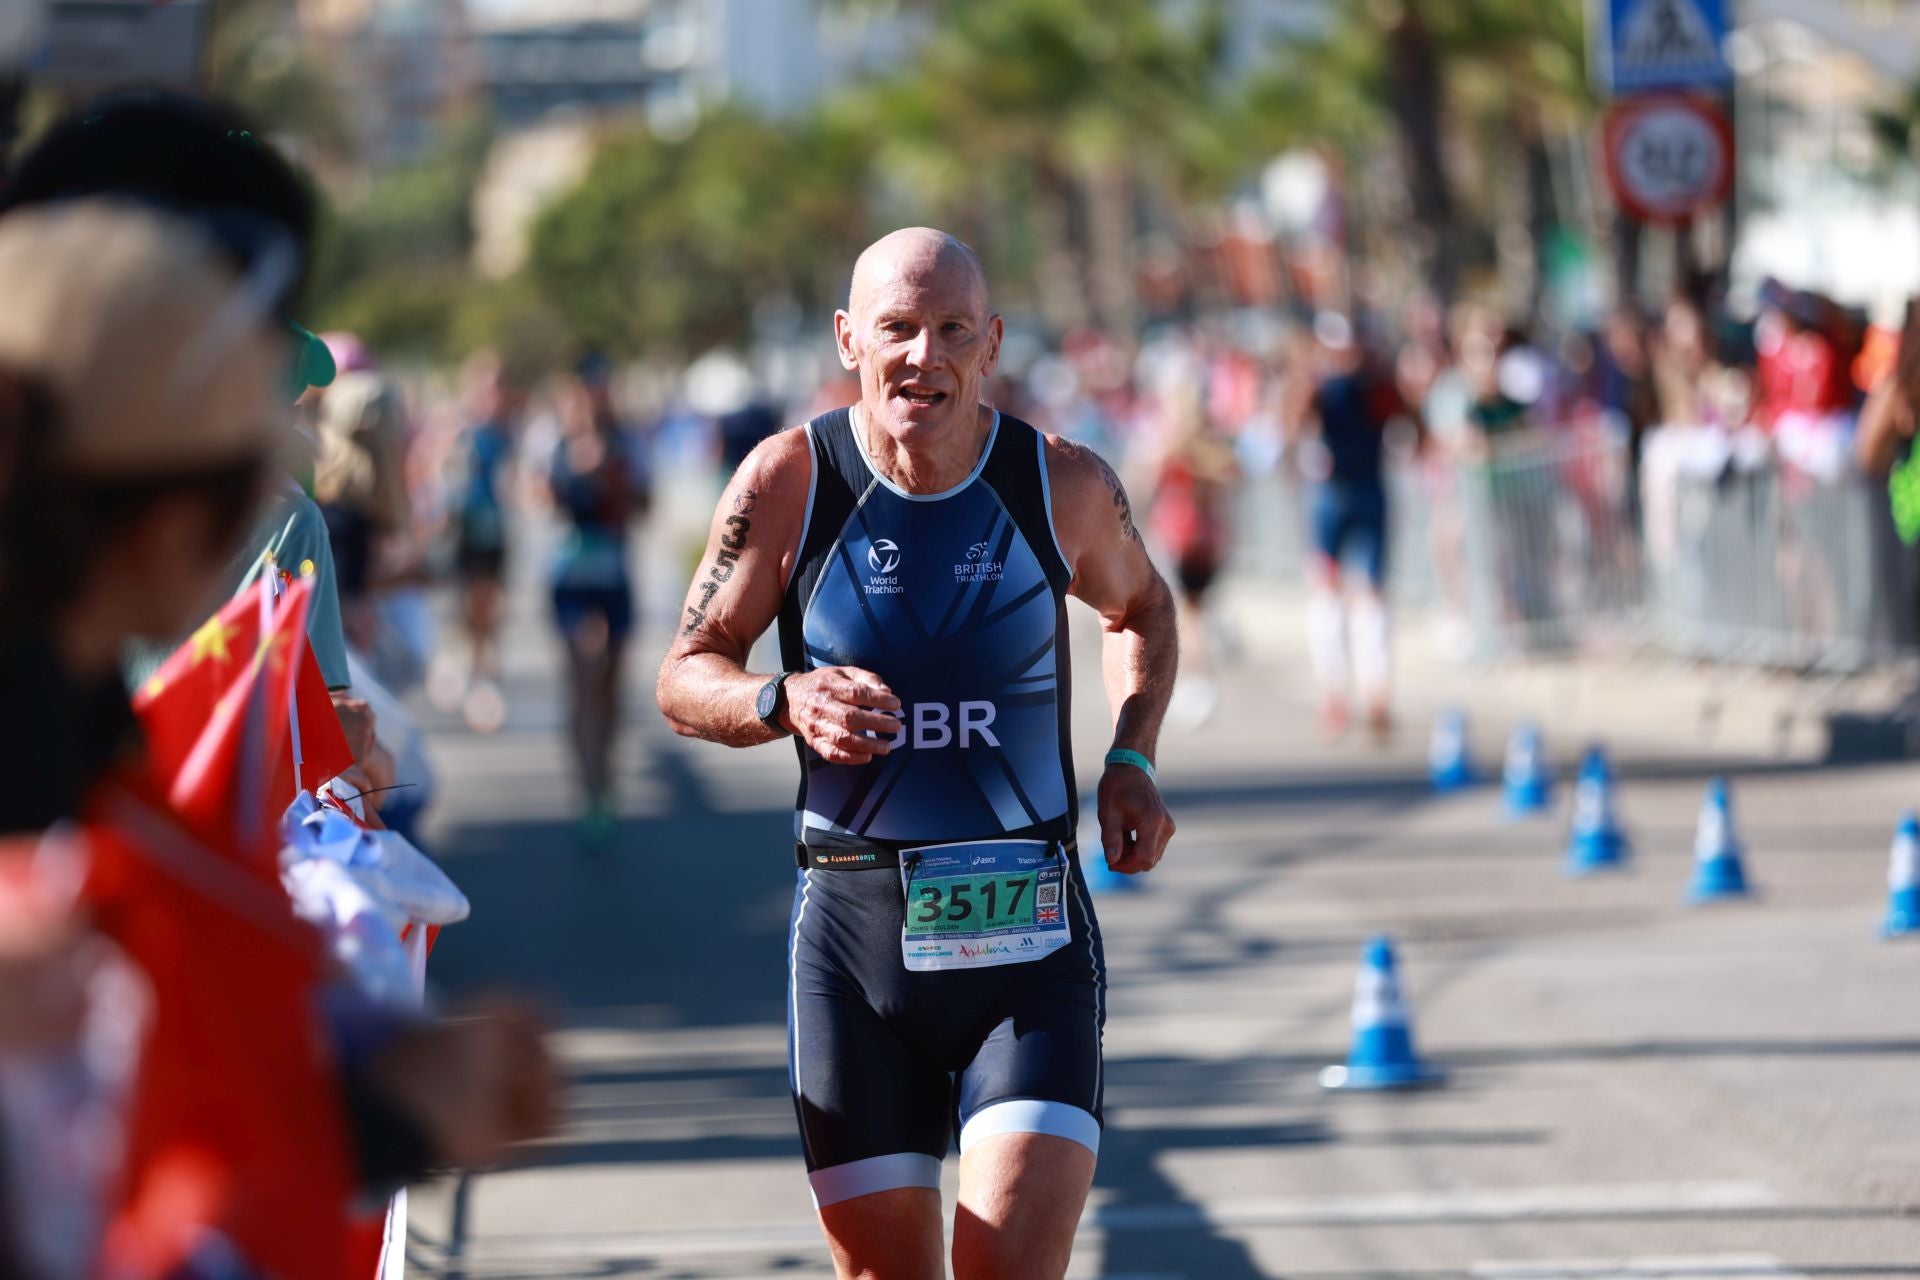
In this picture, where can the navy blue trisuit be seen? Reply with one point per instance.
(947, 976)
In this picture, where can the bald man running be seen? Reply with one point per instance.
(917, 550)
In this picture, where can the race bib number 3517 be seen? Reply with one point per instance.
(983, 903)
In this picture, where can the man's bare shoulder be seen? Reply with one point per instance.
(778, 470)
(1085, 484)
(1076, 468)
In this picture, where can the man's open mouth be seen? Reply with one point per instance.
(919, 395)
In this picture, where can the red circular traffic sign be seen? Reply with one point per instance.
(1668, 158)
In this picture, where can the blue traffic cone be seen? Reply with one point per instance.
(1382, 1056)
(1449, 767)
(1717, 870)
(1597, 843)
(1903, 879)
(1094, 872)
(1101, 878)
(1527, 777)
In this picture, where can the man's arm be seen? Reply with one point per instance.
(1140, 645)
(705, 689)
(1886, 420)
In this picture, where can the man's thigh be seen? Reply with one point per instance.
(1021, 1196)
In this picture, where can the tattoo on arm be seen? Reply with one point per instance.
(725, 557)
(1120, 503)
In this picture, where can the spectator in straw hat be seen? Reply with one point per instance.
(140, 418)
(201, 161)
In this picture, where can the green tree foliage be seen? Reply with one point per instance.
(667, 246)
(1449, 82)
(254, 61)
(1041, 128)
(392, 264)
(1056, 135)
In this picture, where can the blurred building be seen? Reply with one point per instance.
(405, 69)
(670, 59)
(1822, 204)
(555, 71)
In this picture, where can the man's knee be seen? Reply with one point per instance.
(888, 1234)
(985, 1252)
(1021, 1195)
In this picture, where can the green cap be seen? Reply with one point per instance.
(311, 364)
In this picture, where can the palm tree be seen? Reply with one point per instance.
(1492, 79)
(1053, 117)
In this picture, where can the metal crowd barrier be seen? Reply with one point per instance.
(1538, 547)
(1769, 568)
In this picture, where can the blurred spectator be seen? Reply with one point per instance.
(1683, 366)
(1490, 410)
(142, 420)
(1804, 379)
(147, 436)
(1627, 383)
(599, 484)
(1191, 518)
(1887, 419)
(202, 160)
(360, 483)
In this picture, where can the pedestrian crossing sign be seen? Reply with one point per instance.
(1663, 44)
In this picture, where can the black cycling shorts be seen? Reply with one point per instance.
(888, 1066)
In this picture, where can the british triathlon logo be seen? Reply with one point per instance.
(883, 557)
(979, 565)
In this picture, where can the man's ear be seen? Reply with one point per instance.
(996, 332)
(843, 341)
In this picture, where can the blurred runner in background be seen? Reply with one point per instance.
(1352, 404)
(481, 514)
(600, 483)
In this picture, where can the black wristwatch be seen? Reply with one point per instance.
(772, 702)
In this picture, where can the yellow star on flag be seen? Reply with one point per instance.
(274, 649)
(210, 641)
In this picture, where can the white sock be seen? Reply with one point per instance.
(1326, 641)
(1371, 660)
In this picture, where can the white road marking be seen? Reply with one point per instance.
(1445, 1206)
(1707, 1266)
(1391, 1209)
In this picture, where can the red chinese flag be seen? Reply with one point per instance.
(237, 1132)
(225, 714)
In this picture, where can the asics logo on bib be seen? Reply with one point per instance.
(928, 725)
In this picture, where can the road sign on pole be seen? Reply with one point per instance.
(1668, 158)
(1662, 44)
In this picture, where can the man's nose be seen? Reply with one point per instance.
(924, 351)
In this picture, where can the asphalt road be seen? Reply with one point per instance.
(1638, 1088)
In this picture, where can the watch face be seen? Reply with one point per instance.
(769, 695)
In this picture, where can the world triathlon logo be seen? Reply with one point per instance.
(884, 555)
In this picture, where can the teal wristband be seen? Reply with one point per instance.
(1121, 755)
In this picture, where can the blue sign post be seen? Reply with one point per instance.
(1653, 45)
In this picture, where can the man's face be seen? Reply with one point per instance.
(923, 342)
